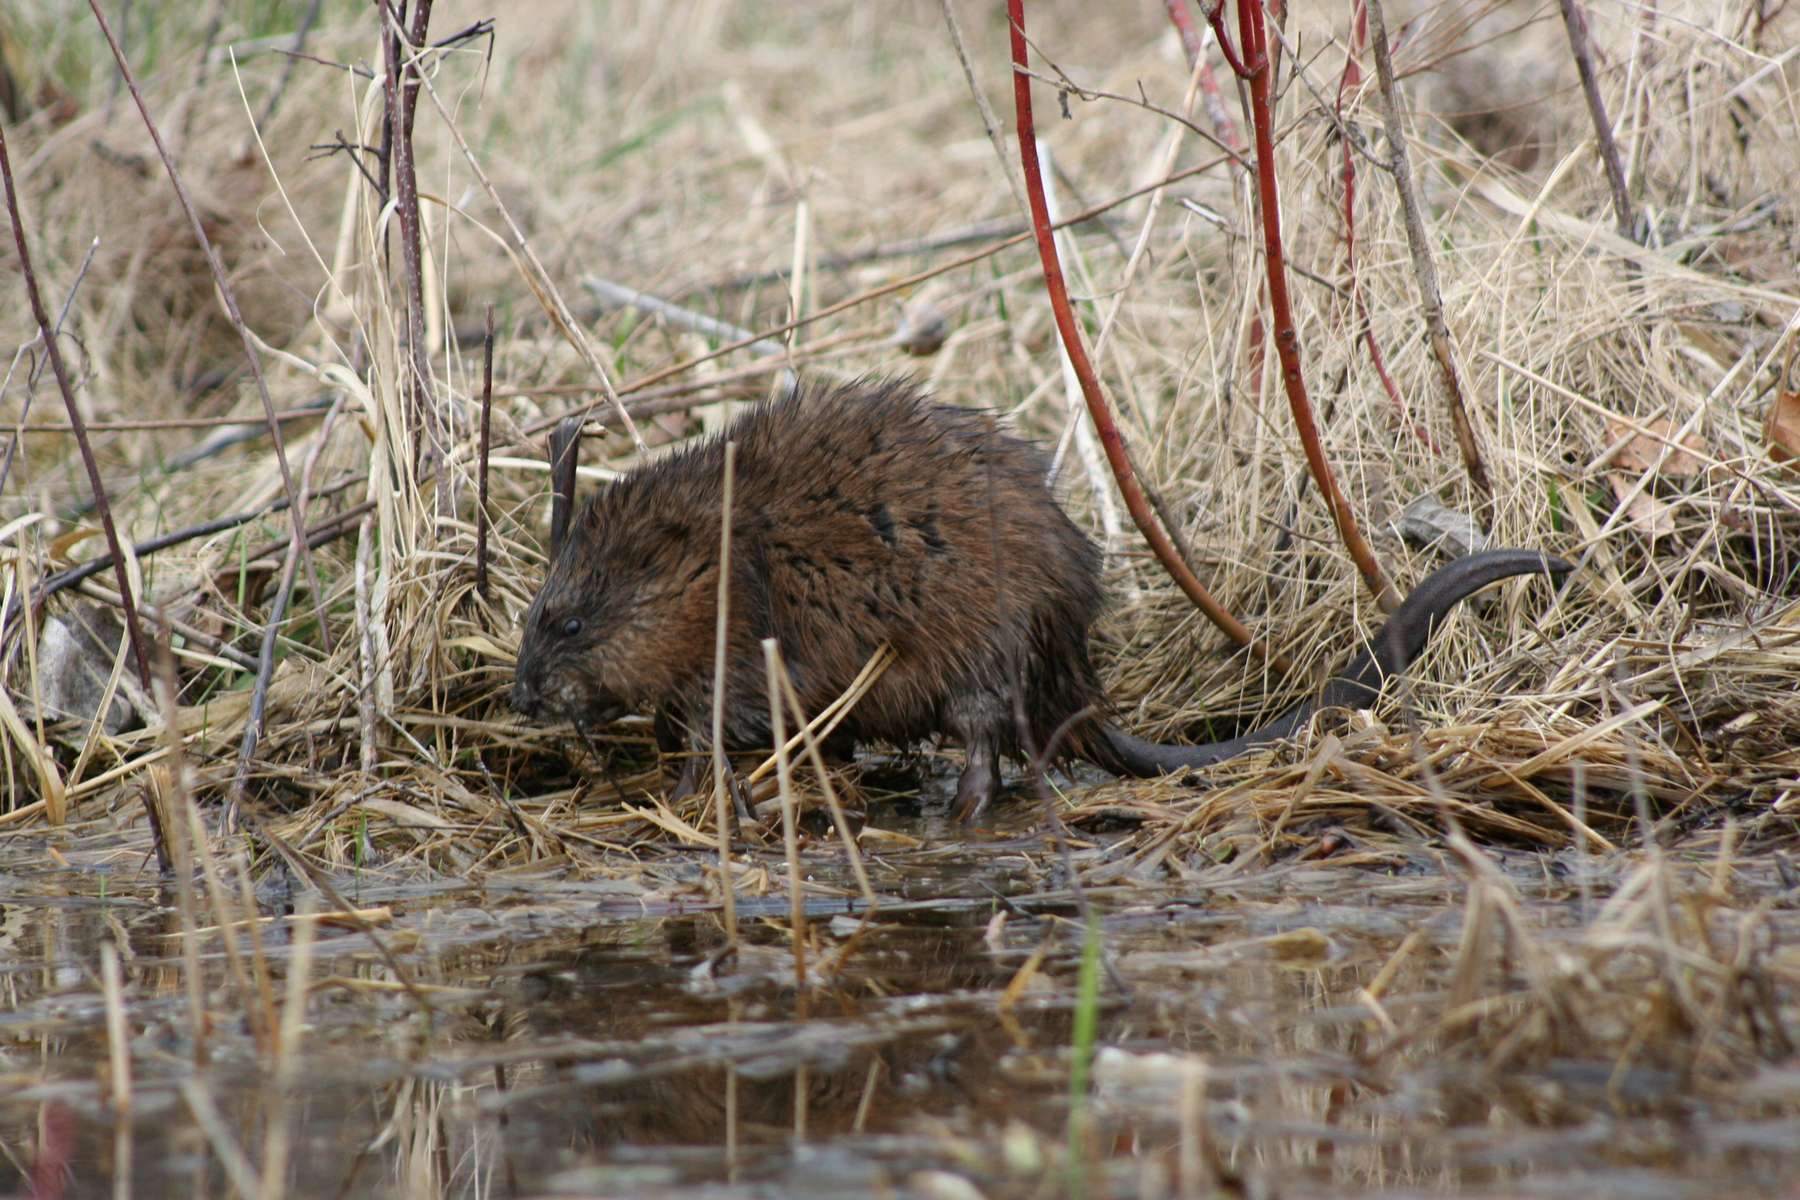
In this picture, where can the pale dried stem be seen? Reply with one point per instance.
(278, 1136)
(790, 842)
(118, 1046)
(846, 834)
(177, 803)
(368, 693)
(721, 764)
(259, 1018)
(218, 1136)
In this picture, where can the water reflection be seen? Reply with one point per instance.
(569, 1044)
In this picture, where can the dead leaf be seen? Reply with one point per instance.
(1652, 517)
(872, 838)
(1427, 521)
(1781, 428)
(1640, 451)
(65, 542)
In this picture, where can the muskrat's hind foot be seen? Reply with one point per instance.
(980, 780)
(975, 719)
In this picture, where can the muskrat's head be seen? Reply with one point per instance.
(625, 616)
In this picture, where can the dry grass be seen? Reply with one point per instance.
(678, 163)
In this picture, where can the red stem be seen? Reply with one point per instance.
(1349, 81)
(1255, 53)
(1215, 16)
(1223, 125)
(1104, 426)
(1183, 20)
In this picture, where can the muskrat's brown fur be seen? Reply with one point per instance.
(861, 515)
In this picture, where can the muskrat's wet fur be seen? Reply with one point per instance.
(860, 515)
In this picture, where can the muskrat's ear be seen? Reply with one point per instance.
(565, 444)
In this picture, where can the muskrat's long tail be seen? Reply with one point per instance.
(1394, 646)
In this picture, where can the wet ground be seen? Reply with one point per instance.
(1315, 1030)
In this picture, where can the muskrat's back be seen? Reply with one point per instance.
(861, 514)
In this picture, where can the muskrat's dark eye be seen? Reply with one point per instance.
(571, 627)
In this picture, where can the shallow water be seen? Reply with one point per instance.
(568, 1037)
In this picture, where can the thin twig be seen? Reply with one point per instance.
(289, 61)
(1431, 301)
(60, 369)
(616, 295)
(904, 248)
(1062, 81)
(537, 275)
(223, 283)
(989, 122)
(184, 106)
(1193, 43)
(137, 424)
(159, 616)
(423, 419)
(265, 670)
(1575, 21)
(481, 477)
(74, 575)
(613, 296)
(12, 445)
(861, 298)
(1350, 81)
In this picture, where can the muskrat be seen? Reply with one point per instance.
(866, 514)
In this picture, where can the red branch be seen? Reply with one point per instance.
(1349, 82)
(1253, 65)
(1223, 125)
(1116, 456)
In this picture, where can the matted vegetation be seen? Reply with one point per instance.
(822, 170)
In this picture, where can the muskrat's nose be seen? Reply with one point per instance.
(522, 698)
